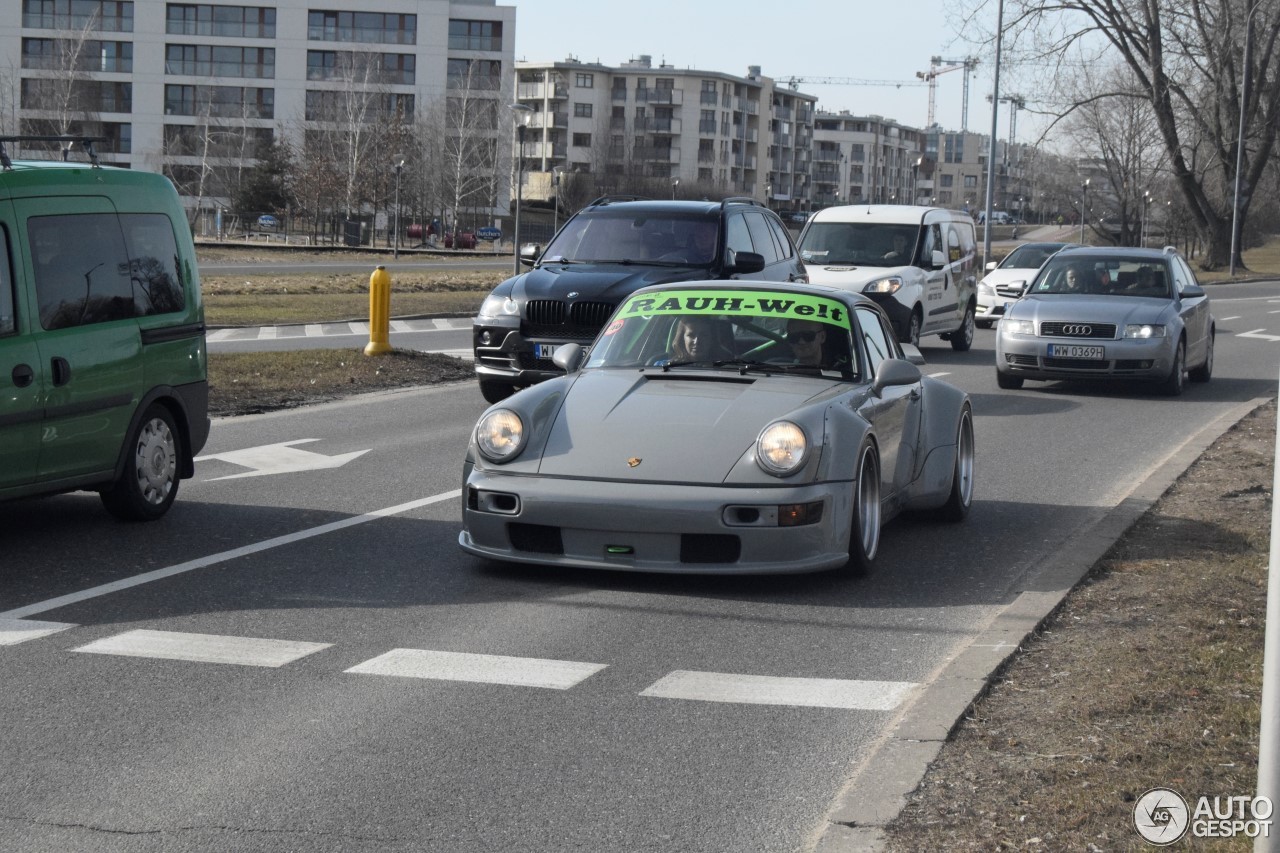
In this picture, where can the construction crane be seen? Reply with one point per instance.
(795, 81)
(939, 66)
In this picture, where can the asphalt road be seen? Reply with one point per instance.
(312, 664)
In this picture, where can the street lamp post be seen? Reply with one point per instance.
(1244, 98)
(555, 201)
(675, 182)
(397, 163)
(523, 113)
(1084, 200)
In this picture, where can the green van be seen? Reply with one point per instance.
(103, 382)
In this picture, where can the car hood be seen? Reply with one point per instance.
(1008, 276)
(853, 276)
(603, 282)
(1090, 309)
(688, 426)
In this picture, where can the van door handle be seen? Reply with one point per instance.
(23, 375)
(61, 370)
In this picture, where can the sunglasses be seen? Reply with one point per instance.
(797, 337)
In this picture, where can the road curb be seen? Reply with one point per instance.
(878, 789)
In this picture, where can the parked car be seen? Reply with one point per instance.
(1007, 280)
(102, 338)
(1109, 313)
(739, 461)
(603, 254)
(917, 263)
(998, 217)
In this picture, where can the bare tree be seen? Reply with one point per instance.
(1187, 59)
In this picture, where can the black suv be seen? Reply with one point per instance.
(609, 249)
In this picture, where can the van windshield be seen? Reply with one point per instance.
(861, 243)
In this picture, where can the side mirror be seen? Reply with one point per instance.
(747, 262)
(1192, 291)
(529, 254)
(895, 371)
(992, 265)
(938, 260)
(567, 357)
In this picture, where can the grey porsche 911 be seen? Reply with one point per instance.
(720, 427)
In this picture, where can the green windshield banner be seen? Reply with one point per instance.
(750, 303)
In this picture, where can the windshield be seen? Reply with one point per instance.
(1104, 277)
(862, 243)
(1030, 256)
(620, 236)
(743, 330)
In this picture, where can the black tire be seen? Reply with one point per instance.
(1172, 384)
(911, 332)
(864, 532)
(1205, 371)
(961, 497)
(962, 338)
(1007, 382)
(148, 483)
(982, 324)
(495, 392)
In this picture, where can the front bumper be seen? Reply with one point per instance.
(652, 527)
(503, 353)
(1027, 356)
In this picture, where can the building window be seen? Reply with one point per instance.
(971, 182)
(475, 35)
(948, 181)
(362, 27)
(474, 74)
(582, 110)
(59, 54)
(397, 68)
(219, 101)
(331, 105)
(582, 140)
(89, 95)
(188, 140)
(196, 19)
(204, 60)
(584, 81)
(106, 16)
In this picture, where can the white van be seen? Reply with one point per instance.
(918, 263)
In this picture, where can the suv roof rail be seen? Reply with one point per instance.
(610, 199)
(740, 199)
(85, 142)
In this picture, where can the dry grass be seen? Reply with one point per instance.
(1149, 676)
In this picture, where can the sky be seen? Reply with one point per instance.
(859, 39)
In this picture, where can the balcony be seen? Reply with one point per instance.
(826, 155)
(707, 125)
(541, 120)
(664, 126)
(538, 150)
(541, 91)
(619, 93)
(782, 113)
(709, 98)
(660, 96)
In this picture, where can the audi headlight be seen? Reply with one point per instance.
(781, 448)
(892, 284)
(1143, 331)
(1017, 327)
(494, 307)
(500, 435)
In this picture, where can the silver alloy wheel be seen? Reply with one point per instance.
(868, 498)
(964, 459)
(156, 461)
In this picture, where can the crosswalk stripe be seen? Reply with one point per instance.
(769, 690)
(14, 631)
(203, 648)
(400, 326)
(487, 669)
(358, 328)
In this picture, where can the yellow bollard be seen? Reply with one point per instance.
(379, 312)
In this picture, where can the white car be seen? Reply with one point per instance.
(1008, 280)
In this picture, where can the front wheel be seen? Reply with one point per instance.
(961, 496)
(911, 333)
(148, 483)
(864, 534)
(962, 338)
(495, 392)
(1171, 386)
(1205, 370)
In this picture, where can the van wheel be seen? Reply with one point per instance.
(911, 334)
(962, 338)
(864, 533)
(149, 481)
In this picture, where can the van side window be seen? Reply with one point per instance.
(153, 263)
(8, 319)
(932, 242)
(81, 269)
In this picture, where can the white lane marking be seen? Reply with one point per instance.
(313, 330)
(441, 324)
(202, 648)
(769, 690)
(1256, 334)
(224, 556)
(218, 335)
(1225, 319)
(267, 333)
(358, 328)
(940, 375)
(486, 669)
(14, 631)
(282, 458)
(400, 326)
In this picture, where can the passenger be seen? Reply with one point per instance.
(697, 339)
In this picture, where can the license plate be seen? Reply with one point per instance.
(546, 350)
(1074, 351)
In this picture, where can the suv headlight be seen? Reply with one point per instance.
(781, 448)
(494, 307)
(1017, 327)
(985, 289)
(500, 435)
(1144, 330)
(892, 284)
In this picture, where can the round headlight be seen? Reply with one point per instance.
(781, 448)
(494, 307)
(500, 435)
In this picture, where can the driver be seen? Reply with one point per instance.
(806, 338)
(899, 251)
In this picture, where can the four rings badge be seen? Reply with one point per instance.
(1078, 331)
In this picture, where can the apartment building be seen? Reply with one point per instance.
(177, 86)
(639, 124)
(867, 160)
